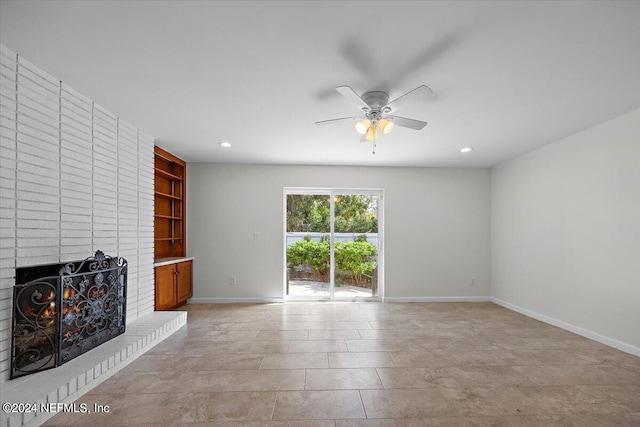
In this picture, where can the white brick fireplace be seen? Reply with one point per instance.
(74, 178)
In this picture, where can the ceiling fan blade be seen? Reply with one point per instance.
(330, 121)
(356, 53)
(409, 123)
(430, 54)
(423, 90)
(351, 94)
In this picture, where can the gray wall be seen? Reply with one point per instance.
(566, 231)
(436, 227)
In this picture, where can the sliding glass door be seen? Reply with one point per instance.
(307, 237)
(333, 244)
(356, 244)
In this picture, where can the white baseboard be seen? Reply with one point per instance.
(234, 300)
(387, 299)
(437, 299)
(627, 348)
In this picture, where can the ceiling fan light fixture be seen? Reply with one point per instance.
(372, 133)
(362, 126)
(376, 112)
(385, 126)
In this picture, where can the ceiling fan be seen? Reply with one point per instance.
(378, 112)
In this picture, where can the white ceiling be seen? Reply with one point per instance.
(508, 77)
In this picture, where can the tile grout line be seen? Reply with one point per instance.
(388, 353)
(364, 409)
(379, 378)
(275, 401)
(224, 388)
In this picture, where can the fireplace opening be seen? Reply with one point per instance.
(61, 311)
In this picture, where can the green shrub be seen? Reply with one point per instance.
(311, 253)
(355, 258)
(358, 258)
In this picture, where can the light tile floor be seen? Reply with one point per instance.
(369, 364)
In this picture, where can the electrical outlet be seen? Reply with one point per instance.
(256, 235)
(233, 280)
(473, 282)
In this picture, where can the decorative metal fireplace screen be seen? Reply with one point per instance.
(61, 311)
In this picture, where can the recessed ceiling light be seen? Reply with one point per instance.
(225, 144)
(466, 149)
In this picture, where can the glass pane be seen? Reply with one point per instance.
(308, 245)
(356, 245)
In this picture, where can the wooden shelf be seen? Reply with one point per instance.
(166, 174)
(177, 218)
(168, 196)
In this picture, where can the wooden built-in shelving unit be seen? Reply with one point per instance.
(170, 205)
(173, 271)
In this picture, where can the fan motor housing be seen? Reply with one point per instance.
(376, 99)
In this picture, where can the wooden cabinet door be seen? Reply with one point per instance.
(166, 297)
(185, 282)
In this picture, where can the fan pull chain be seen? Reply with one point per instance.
(374, 148)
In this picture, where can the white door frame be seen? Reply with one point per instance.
(332, 193)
